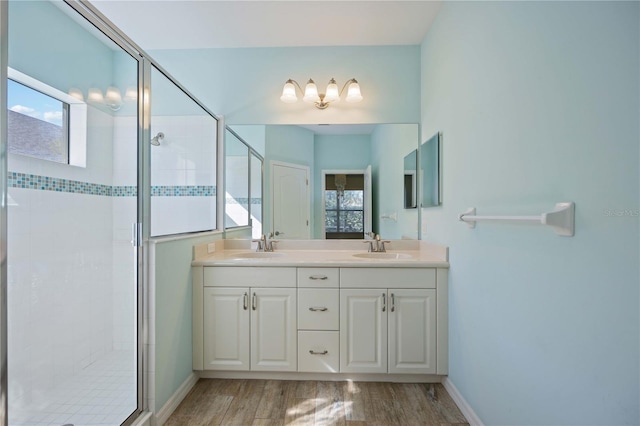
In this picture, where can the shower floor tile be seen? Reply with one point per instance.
(92, 397)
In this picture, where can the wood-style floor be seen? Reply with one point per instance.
(311, 403)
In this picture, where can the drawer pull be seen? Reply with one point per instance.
(253, 302)
(318, 277)
(393, 303)
(315, 309)
(312, 352)
(245, 303)
(384, 302)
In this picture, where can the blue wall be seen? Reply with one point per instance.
(60, 58)
(538, 103)
(245, 85)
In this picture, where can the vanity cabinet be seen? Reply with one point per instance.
(246, 328)
(318, 320)
(390, 330)
(226, 328)
(363, 331)
(351, 320)
(388, 320)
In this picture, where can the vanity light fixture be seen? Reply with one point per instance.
(321, 100)
(111, 98)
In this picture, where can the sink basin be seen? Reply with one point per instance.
(382, 255)
(259, 255)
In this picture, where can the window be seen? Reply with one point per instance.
(43, 122)
(344, 208)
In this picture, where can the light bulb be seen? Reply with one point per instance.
(353, 94)
(289, 93)
(95, 95)
(76, 93)
(333, 95)
(311, 92)
(113, 98)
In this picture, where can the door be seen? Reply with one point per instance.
(226, 328)
(412, 331)
(273, 329)
(363, 331)
(290, 200)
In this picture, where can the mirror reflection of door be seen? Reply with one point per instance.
(290, 200)
(345, 205)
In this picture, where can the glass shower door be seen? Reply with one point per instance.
(72, 301)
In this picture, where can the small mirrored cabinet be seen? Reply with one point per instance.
(410, 180)
(431, 171)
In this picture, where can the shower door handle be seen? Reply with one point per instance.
(136, 234)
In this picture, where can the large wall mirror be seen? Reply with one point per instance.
(334, 181)
(431, 171)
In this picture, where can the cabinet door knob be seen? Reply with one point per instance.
(314, 309)
(312, 352)
(318, 277)
(384, 302)
(253, 302)
(245, 302)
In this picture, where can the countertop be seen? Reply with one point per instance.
(413, 254)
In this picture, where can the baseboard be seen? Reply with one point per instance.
(335, 377)
(169, 407)
(143, 420)
(462, 403)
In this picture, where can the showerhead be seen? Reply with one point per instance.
(157, 138)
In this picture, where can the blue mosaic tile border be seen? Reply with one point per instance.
(183, 191)
(46, 183)
(243, 201)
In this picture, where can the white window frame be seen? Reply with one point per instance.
(77, 115)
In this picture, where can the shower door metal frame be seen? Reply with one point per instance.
(88, 12)
(142, 235)
(4, 384)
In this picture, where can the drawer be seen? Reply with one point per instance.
(319, 351)
(387, 277)
(318, 309)
(318, 277)
(249, 276)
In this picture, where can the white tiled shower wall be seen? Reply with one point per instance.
(186, 157)
(61, 293)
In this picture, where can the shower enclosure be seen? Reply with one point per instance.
(83, 188)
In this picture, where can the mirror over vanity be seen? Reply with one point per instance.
(326, 181)
(431, 171)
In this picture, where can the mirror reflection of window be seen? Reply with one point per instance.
(344, 206)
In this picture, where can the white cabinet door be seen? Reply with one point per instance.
(273, 329)
(412, 331)
(363, 331)
(226, 328)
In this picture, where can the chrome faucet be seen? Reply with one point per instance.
(268, 243)
(262, 243)
(379, 247)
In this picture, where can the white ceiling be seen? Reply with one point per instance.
(188, 24)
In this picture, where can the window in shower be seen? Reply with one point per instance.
(44, 122)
